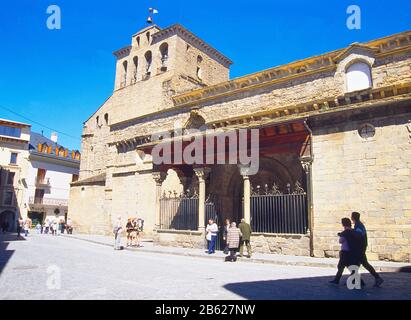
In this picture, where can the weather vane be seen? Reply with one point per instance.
(152, 12)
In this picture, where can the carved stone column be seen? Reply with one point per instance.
(202, 174)
(306, 163)
(159, 178)
(245, 172)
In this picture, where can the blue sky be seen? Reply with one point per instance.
(59, 78)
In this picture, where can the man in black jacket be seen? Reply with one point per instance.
(359, 228)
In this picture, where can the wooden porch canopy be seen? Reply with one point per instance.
(292, 137)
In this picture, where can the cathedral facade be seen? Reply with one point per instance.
(333, 136)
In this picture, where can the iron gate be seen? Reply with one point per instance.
(273, 211)
(179, 212)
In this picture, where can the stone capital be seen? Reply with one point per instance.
(159, 177)
(245, 171)
(306, 163)
(202, 173)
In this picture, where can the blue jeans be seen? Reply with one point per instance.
(211, 244)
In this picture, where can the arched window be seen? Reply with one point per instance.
(135, 73)
(149, 60)
(106, 118)
(97, 121)
(138, 41)
(358, 77)
(148, 37)
(124, 79)
(199, 70)
(164, 56)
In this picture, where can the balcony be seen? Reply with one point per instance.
(42, 182)
(47, 202)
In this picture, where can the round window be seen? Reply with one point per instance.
(367, 132)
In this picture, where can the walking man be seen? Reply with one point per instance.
(246, 232)
(360, 228)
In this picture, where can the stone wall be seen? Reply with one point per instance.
(372, 177)
(89, 211)
(294, 245)
(261, 243)
(181, 239)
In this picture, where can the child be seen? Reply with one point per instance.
(349, 249)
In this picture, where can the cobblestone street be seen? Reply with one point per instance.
(29, 269)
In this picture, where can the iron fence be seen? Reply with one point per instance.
(179, 212)
(273, 211)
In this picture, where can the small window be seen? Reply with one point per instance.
(74, 178)
(148, 37)
(199, 73)
(13, 158)
(62, 152)
(199, 60)
(164, 56)
(124, 78)
(138, 41)
(149, 60)
(45, 148)
(8, 198)
(106, 118)
(10, 178)
(367, 132)
(135, 73)
(358, 77)
(97, 121)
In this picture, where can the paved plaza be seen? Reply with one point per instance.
(46, 267)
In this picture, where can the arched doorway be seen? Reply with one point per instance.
(226, 186)
(9, 218)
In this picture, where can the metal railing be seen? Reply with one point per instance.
(275, 212)
(179, 212)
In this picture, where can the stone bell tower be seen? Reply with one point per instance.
(160, 63)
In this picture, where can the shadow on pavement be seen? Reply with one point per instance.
(396, 287)
(5, 255)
